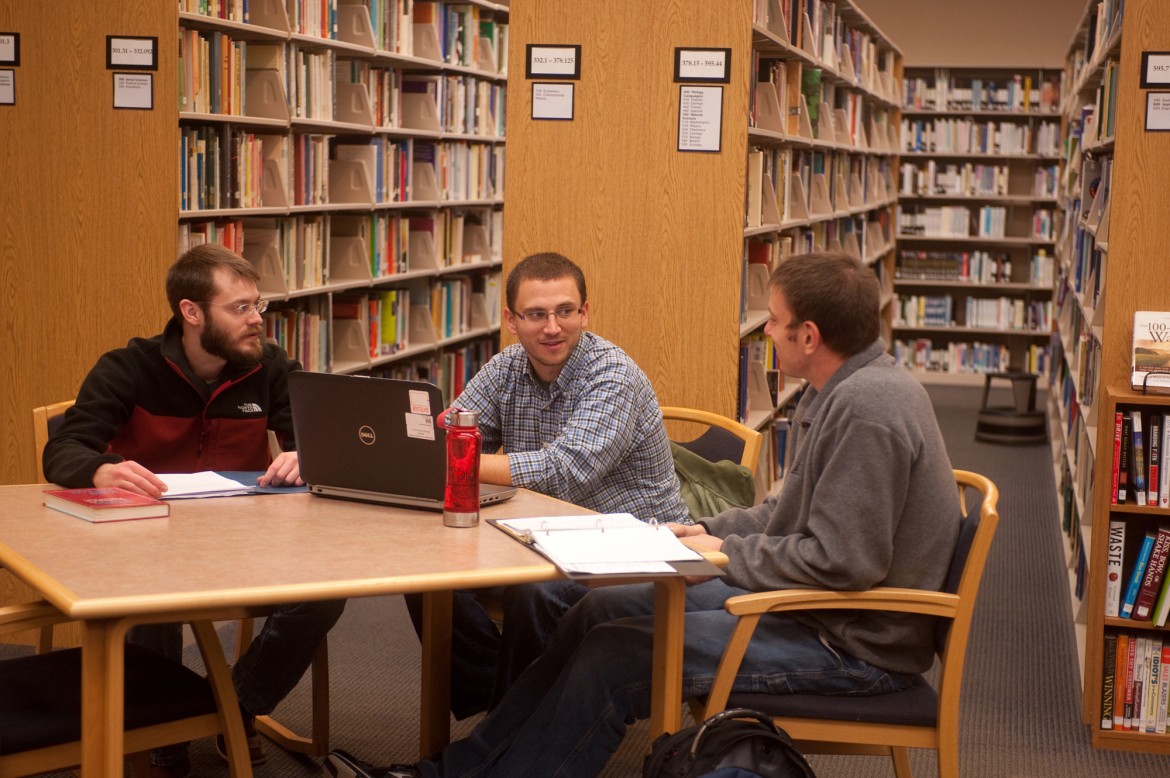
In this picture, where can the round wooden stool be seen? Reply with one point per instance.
(1019, 423)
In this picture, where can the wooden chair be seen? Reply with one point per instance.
(723, 438)
(165, 702)
(45, 419)
(884, 724)
(317, 744)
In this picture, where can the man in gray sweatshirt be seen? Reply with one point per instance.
(869, 500)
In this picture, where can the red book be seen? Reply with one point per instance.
(1116, 456)
(112, 504)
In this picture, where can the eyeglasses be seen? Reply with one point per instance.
(242, 309)
(564, 313)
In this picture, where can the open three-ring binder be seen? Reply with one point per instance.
(607, 544)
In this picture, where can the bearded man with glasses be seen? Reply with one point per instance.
(565, 413)
(201, 396)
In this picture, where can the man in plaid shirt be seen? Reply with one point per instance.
(572, 417)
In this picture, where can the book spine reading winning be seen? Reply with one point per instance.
(1155, 571)
(1113, 571)
(1138, 460)
(1139, 571)
(1108, 679)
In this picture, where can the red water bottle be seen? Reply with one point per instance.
(461, 497)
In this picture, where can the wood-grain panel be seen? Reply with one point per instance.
(88, 198)
(658, 232)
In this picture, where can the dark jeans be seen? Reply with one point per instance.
(485, 659)
(270, 668)
(568, 712)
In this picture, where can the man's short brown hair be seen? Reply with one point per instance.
(836, 292)
(192, 276)
(545, 266)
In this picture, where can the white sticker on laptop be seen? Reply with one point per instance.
(420, 402)
(420, 426)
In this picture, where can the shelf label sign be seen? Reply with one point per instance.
(134, 91)
(553, 61)
(702, 65)
(1157, 111)
(700, 118)
(552, 101)
(1155, 69)
(124, 52)
(7, 87)
(9, 48)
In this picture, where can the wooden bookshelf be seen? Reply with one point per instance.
(980, 154)
(353, 152)
(664, 236)
(1104, 278)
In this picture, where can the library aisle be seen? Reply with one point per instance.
(1020, 703)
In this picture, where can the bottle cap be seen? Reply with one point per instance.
(462, 418)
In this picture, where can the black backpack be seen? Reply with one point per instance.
(736, 743)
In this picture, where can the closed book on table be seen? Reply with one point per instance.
(107, 504)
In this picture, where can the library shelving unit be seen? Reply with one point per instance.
(353, 151)
(977, 186)
(1115, 171)
(677, 246)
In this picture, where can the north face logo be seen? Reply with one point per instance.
(250, 408)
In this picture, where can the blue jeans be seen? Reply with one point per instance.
(486, 660)
(268, 670)
(569, 711)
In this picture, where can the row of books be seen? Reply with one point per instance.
(785, 184)
(959, 357)
(303, 253)
(957, 266)
(1135, 683)
(969, 136)
(224, 167)
(450, 369)
(971, 179)
(960, 221)
(1016, 93)
(1137, 453)
(1103, 21)
(1136, 586)
(1001, 313)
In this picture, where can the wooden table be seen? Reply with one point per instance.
(213, 558)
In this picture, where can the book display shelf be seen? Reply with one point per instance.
(977, 194)
(822, 152)
(353, 151)
(1114, 171)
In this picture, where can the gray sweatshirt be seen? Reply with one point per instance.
(869, 500)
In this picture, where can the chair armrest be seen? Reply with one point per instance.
(29, 615)
(879, 598)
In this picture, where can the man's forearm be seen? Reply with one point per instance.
(494, 469)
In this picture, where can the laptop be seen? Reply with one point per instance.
(374, 440)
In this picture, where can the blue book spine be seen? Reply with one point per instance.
(1135, 580)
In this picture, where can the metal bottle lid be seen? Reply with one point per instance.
(462, 418)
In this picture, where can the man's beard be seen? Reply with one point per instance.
(216, 341)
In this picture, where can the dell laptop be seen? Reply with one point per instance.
(374, 440)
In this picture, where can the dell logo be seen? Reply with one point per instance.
(366, 435)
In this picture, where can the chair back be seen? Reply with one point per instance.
(724, 438)
(45, 421)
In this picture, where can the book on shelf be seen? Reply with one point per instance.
(1131, 660)
(1120, 676)
(105, 504)
(1124, 467)
(1153, 576)
(1153, 477)
(1150, 363)
(1113, 572)
(1108, 680)
(1162, 603)
(1137, 574)
(1115, 487)
(1154, 673)
(1163, 690)
(1137, 460)
(1163, 470)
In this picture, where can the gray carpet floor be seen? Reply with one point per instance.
(1021, 691)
